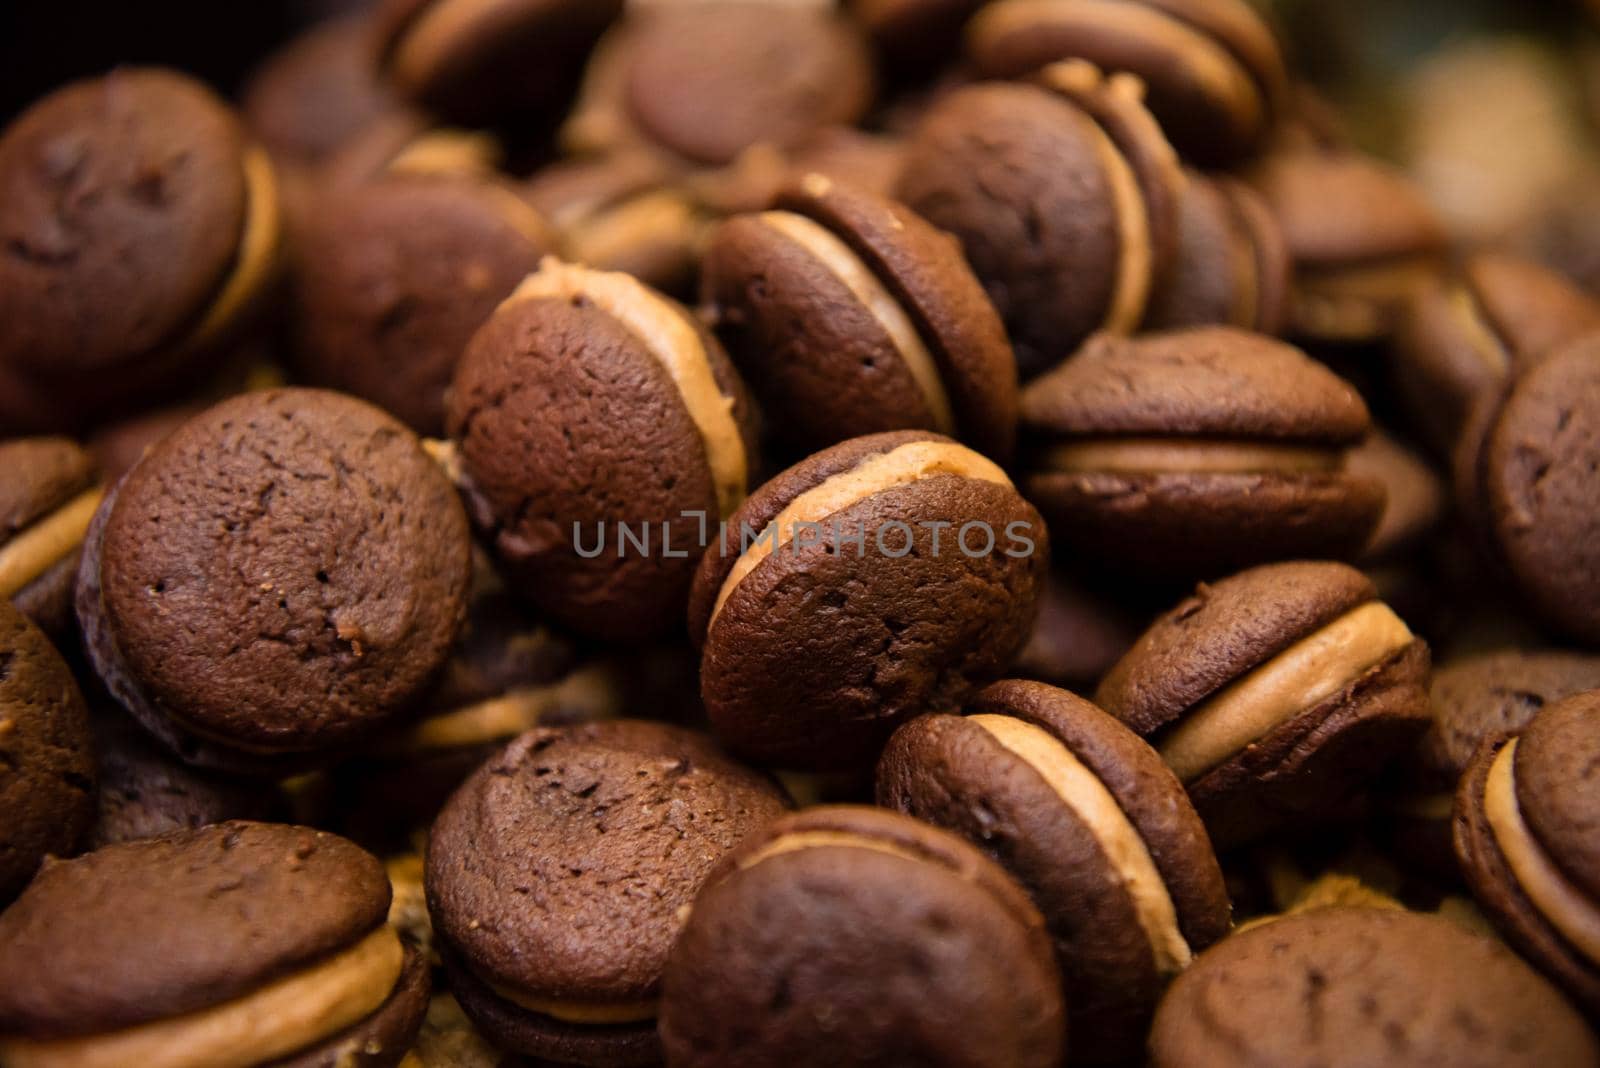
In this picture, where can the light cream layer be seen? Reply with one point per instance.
(1148, 456)
(661, 218)
(1308, 672)
(1486, 344)
(581, 1012)
(898, 467)
(289, 1014)
(674, 342)
(795, 841)
(506, 716)
(257, 257)
(42, 545)
(838, 260)
(427, 42)
(1083, 792)
(449, 152)
(1552, 893)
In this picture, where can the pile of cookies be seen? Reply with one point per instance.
(769, 532)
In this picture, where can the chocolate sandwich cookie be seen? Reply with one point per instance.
(409, 143)
(393, 278)
(318, 92)
(241, 944)
(846, 936)
(1473, 700)
(628, 212)
(47, 755)
(1086, 817)
(1414, 496)
(142, 225)
(473, 61)
(851, 315)
(1064, 196)
(1188, 454)
(601, 433)
(145, 791)
(885, 577)
(1231, 266)
(1079, 634)
(49, 489)
(558, 875)
(1362, 237)
(1354, 987)
(1275, 695)
(278, 578)
(702, 82)
(1215, 74)
(1462, 335)
(1525, 836)
(1525, 480)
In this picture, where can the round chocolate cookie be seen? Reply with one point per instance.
(273, 949)
(558, 875)
(1231, 266)
(1215, 75)
(1525, 476)
(279, 577)
(144, 791)
(1189, 454)
(845, 936)
(476, 62)
(319, 91)
(885, 577)
(1525, 835)
(1064, 196)
(139, 225)
(850, 315)
(392, 279)
(49, 489)
(1275, 695)
(1462, 335)
(1362, 237)
(704, 81)
(47, 766)
(1414, 496)
(1357, 987)
(601, 435)
(1086, 817)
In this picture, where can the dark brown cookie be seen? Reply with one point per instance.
(1092, 824)
(48, 493)
(558, 874)
(312, 96)
(1063, 195)
(851, 937)
(705, 81)
(851, 315)
(1231, 266)
(1192, 453)
(476, 62)
(1276, 695)
(1524, 831)
(392, 279)
(138, 225)
(47, 766)
(1348, 987)
(1525, 470)
(885, 577)
(1215, 75)
(601, 433)
(279, 577)
(1414, 496)
(1362, 237)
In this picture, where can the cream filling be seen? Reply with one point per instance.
(426, 43)
(796, 841)
(1551, 892)
(1146, 456)
(1358, 300)
(1488, 347)
(1135, 267)
(673, 341)
(1210, 66)
(257, 255)
(837, 258)
(1083, 792)
(1308, 672)
(504, 717)
(898, 467)
(448, 152)
(662, 218)
(289, 1014)
(45, 543)
(582, 1012)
